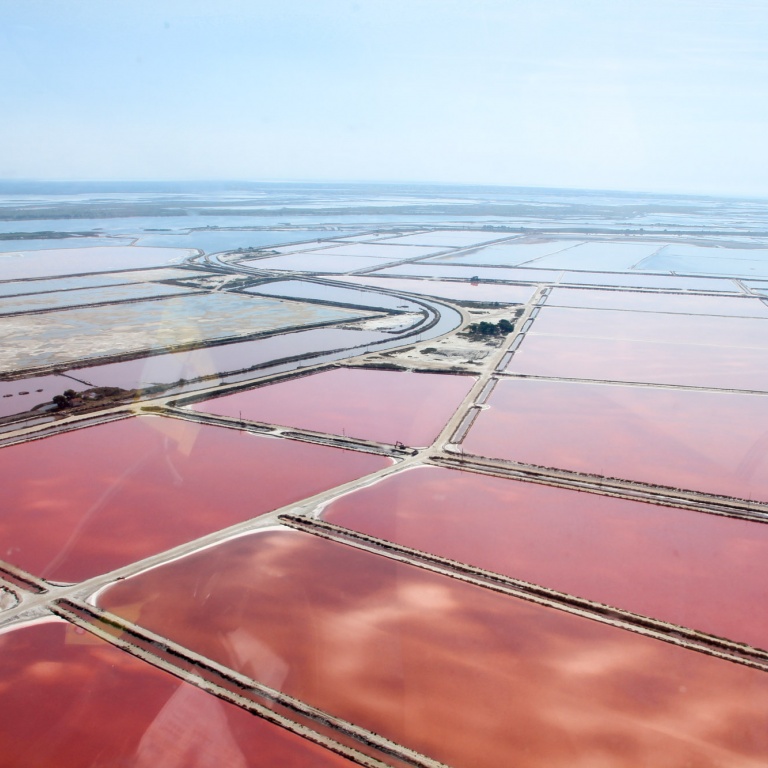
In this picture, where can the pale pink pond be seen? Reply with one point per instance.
(386, 406)
(687, 568)
(462, 674)
(707, 441)
(719, 367)
(71, 700)
(87, 501)
(653, 326)
(643, 301)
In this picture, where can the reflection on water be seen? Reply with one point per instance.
(701, 571)
(85, 502)
(74, 701)
(707, 441)
(386, 406)
(460, 673)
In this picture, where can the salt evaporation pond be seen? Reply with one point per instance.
(389, 252)
(637, 301)
(448, 238)
(652, 362)
(75, 261)
(21, 395)
(221, 359)
(510, 254)
(458, 291)
(609, 256)
(45, 244)
(23, 287)
(644, 558)
(213, 241)
(444, 667)
(743, 262)
(705, 441)
(385, 406)
(88, 501)
(97, 705)
(300, 290)
(88, 333)
(88, 296)
(506, 274)
(314, 262)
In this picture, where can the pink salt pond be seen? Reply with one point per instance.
(71, 700)
(653, 362)
(696, 570)
(462, 674)
(385, 406)
(85, 502)
(705, 441)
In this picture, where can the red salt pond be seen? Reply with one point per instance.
(707, 441)
(697, 570)
(460, 673)
(71, 700)
(85, 502)
(719, 367)
(385, 406)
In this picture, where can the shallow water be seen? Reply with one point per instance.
(75, 261)
(314, 262)
(465, 291)
(97, 705)
(655, 362)
(85, 502)
(687, 568)
(444, 667)
(715, 442)
(386, 406)
(448, 238)
(88, 296)
(222, 359)
(658, 302)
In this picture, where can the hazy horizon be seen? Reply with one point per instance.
(652, 97)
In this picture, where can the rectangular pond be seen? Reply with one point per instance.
(642, 301)
(23, 394)
(704, 330)
(739, 262)
(450, 238)
(314, 262)
(64, 337)
(505, 274)
(598, 256)
(446, 668)
(715, 442)
(647, 559)
(382, 251)
(214, 241)
(88, 501)
(221, 359)
(662, 282)
(385, 406)
(654, 362)
(510, 254)
(306, 290)
(76, 261)
(97, 705)
(445, 289)
(88, 296)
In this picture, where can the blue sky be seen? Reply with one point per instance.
(657, 95)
